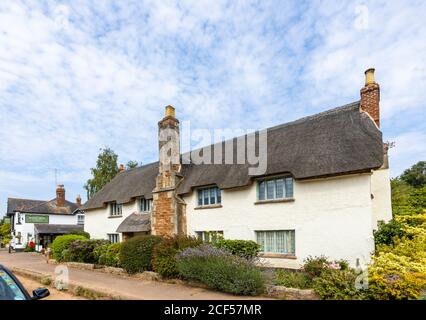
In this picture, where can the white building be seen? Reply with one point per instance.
(41, 221)
(325, 187)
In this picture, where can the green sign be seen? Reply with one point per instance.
(36, 218)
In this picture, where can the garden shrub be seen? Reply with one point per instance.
(136, 253)
(63, 242)
(292, 279)
(83, 250)
(99, 253)
(387, 233)
(244, 248)
(111, 257)
(314, 266)
(337, 285)
(219, 269)
(164, 257)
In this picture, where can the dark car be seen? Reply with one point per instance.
(12, 289)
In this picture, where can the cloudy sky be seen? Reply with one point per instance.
(77, 76)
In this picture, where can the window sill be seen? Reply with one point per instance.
(275, 201)
(211, 206)
(112, 217)
(278, 255)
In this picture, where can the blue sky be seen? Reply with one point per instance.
(80, 75)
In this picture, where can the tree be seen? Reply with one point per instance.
(132, 164)
(106, 169)
(416, 175)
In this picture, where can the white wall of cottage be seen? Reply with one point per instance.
(381, 191)
(331, 217)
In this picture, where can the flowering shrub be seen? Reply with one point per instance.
(292, 279)
(315, 266)
(83, 250)
(220, 269)
(164, 256)
(30, 247)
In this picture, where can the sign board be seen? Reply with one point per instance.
(36, 218)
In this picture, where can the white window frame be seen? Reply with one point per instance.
(265, 194)
(279, 241)
(79, 218)
(209, 196)
(116, 209)
(209, 236)
(113, 237)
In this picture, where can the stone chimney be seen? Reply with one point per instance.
(121, 168)
(60, 196)
(78, 200)
(370, 97)
(168, 212)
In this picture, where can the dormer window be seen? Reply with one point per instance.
(116, 209)
(275, 189)
(209, 196)
(145, 205)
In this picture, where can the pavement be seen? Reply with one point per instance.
(115, 285)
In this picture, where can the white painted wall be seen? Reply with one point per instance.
(330, 217)
(99, 224)
(28, 228)
(381, 191)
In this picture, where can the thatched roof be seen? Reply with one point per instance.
(136, 222)
(338, 141)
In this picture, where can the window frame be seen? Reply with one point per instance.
(147, 202)
(209, 236)
(80, 217)
(290, 241)
(113, 237)
(116, 209)
(287, 189)
(209, 196)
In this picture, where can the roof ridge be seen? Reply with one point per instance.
(25, 199)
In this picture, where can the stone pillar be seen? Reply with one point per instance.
(167, 209)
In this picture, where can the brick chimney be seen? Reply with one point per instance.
(60, 196)
(168, 212)
(121, 168)
(78, 200)
(370, 97)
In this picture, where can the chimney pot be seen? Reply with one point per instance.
(170, 111)
(78, 200)
(369, 76)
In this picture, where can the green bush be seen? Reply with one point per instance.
(100, 252)
(82, 233)
(136, 253)
(337, 285)
(83, 250)
(220, 270)
(164, 258)
(244, 248)
(293, 279)
(63, 242)
(110, 255)
(387, 233)
(314, 266)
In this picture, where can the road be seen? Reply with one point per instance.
(117, 285)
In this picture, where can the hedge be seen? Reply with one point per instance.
(136, 253)
(62, 243)
(83, 250)
(244, 248)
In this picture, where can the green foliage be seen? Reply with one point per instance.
(136, 253)
(314, 266)
(82, 233)
(5, 233)
(292, 279)
(62, 243)
(83, 250)
(164, 259)
(108, 254)
(106, 169)
(416, 175)
(220, 270)
(337, 285)
(406, 199)
(387, 233)
(132, 164)
(244, 248)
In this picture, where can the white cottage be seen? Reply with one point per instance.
(325, 186)
(41, 221)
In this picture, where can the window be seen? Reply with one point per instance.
(113, 237)
(210, 236)
(80, 219)
(145, 204)
(282, 241)
(209, 196)
(279, 188)
(116, 209)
